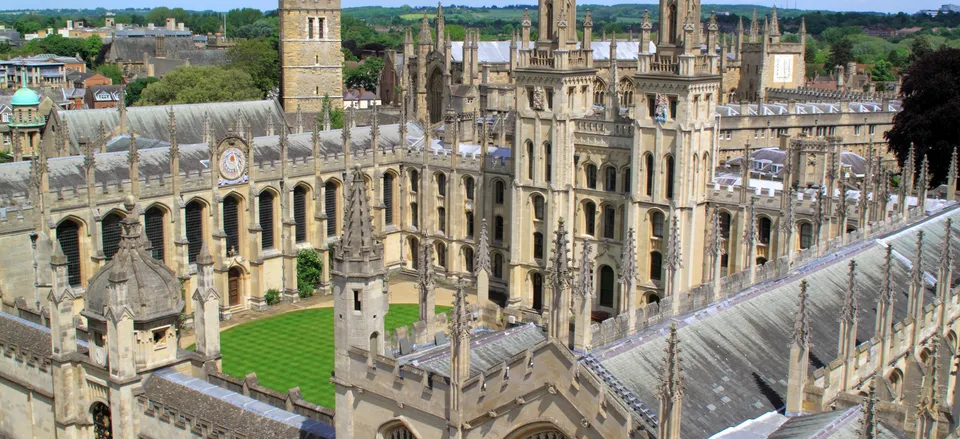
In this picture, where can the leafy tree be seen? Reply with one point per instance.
(199, 84)
(91, 48)
(348, 55)
(135, 89)
(6, 157)
(365, 75)
(882, 71)
(897, 58)
(841, 53)
(931, 97)
(237, 18)
(260, 58)
(259, 29)
(5, 47)
(309, 272)
(111, 71)
(918, 48)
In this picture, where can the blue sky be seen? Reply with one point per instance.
(838, 5)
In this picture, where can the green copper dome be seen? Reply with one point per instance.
(25, 97)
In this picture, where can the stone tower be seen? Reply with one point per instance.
(360, 299)
(554, 88)
(310, 58)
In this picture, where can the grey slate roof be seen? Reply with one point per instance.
(486, 350)
(734, 359)
(67, 172)
(231, 410)
(774, 155)
(152, 121)
(838, 424)
(28, 336)
(132, 49)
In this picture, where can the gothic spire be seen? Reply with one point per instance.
(133, 154)
(946, 253)
(357, 242)
(674, 258)
(716, 237)
(588, 19)
(671, 373)
(924, 179)
(628, 260)
(560, 262)
(483, 250)
(916, 271)
(584, 286)
(774, 23)
(424, 31)
(751, 233)
(887, 290)
(801, 330)
(848, 313)
(459, 319)
(172, 133)
(646, 24)
(909, 169)
(425, 280)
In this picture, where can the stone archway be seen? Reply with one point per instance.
(540, 430)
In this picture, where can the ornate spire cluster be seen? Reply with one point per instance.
(671, 373)
(801, 329)
(751, 234)
(946, 253)
(916, 271)
(357, 242)
(716, 236)
(425, 272)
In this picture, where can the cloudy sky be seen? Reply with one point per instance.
(837, 5)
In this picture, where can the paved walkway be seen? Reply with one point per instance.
(402, 290)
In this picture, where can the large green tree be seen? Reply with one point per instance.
(111, 71)
(135, 89)
(260, 59)
(918, 48)
(928, 119)
(199, 84)
(840, 53)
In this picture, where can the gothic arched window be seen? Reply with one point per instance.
(110, 234)
(68, 235)
(153, 227)
(607, 283)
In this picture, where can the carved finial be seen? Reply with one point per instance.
(671, 385)
(674, 257)
(801, 331)
(774, 22)
(916, 272)
(525, 20)
(887, 289)
(425, 280)
(172, 129)
(712, 24)
(645, 22)
(751, 233)
(848, 313)
(357, 242)
(868, 428)
(483, 250)
(924, 180)
(787, 218)
(424, 31)
(133, 154)
(716, 235)
(460, 321)
(952, 172)
(588, 19)
(560, 262)
(946, 253)
(584, 287)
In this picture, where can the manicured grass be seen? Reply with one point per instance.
(295, 349)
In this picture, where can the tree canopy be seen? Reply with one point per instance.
(841, 53)
(366, 75)
(198, 84)
(931, 102)
(260, 59)
(135, 89)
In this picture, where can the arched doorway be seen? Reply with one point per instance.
(537, 280)
(102, 427)
(607, 282)
(233, 285)
(435, 96)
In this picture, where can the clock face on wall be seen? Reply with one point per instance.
(233, 164)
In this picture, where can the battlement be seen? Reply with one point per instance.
(292, 401)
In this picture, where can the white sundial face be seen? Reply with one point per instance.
(232, 164)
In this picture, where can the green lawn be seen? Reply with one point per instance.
(295, 349)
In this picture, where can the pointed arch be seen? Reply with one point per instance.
(267, 207)
(301, 199)
(110, 232)
(606, 286)
(648, 164)
(397, 428)
(230, 222)
(68, 235)
(194, 219)
(599, 91)
(331, 205)
(155, 229)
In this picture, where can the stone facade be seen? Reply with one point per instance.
(311, 63)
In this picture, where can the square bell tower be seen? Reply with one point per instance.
(310, 58)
